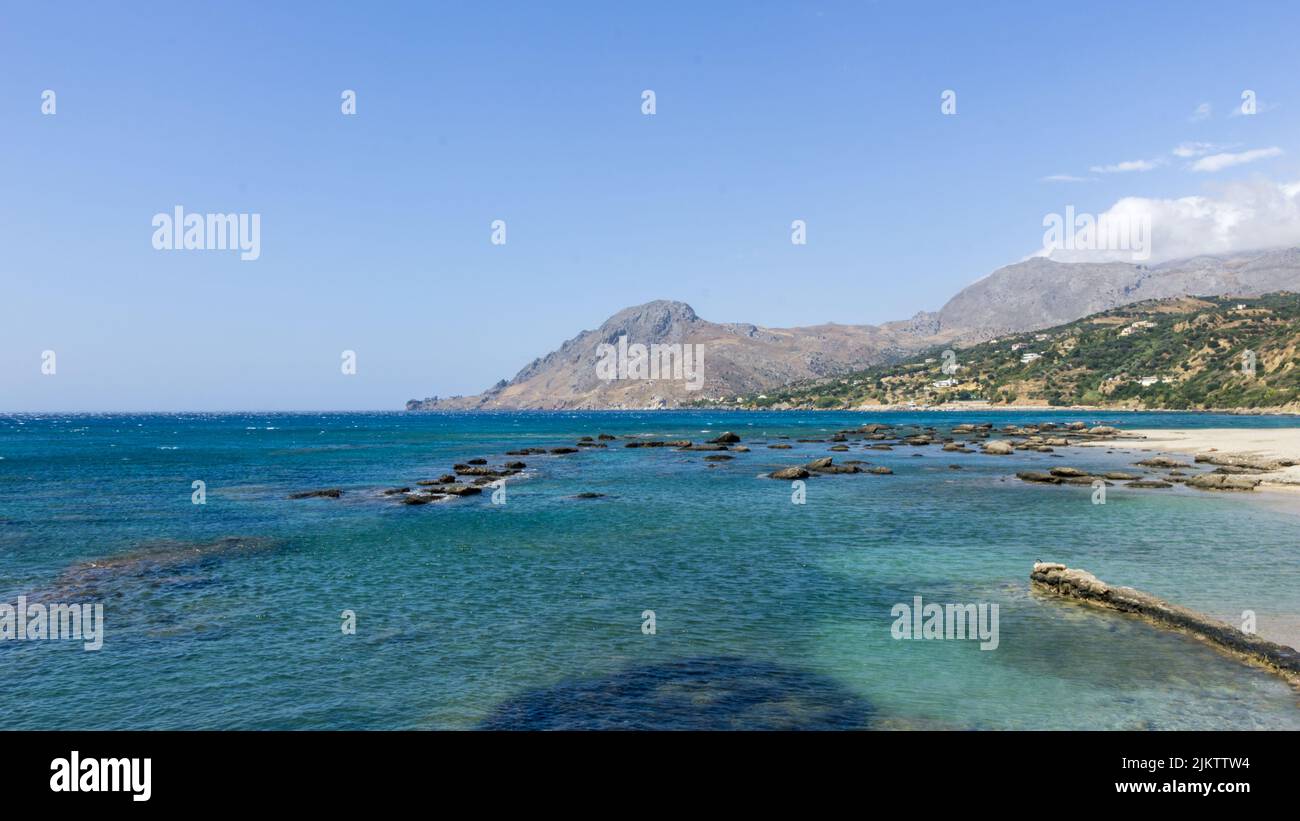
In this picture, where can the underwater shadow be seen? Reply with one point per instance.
(706, 693)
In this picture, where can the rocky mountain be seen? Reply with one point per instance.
(740, 359)
(1039, 293)
(733, 359)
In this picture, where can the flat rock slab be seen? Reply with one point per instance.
(1222, 481)
(1080, 585)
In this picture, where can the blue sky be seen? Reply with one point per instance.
(375, 227)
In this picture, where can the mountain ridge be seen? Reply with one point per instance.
(741, 359)
(1177, 353)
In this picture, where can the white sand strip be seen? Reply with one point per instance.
(1271, 443)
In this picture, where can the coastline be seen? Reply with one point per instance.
(973, 407)
(947, 407)
(1263, 444)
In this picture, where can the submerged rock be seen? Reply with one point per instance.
(328, 493)
(151, 565)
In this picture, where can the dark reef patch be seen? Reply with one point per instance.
(160, 564)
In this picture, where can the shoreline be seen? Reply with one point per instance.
(948, 407)
(1258, 445)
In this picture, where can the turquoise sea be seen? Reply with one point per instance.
(530, 614)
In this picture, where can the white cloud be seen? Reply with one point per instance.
(1217, 162)
(1242, 216)
(1122, 167)
(1064, 178)
(1194, 149)
(1202, 112)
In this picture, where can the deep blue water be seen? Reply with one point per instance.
(529, 614)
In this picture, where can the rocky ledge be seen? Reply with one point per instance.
(1082, 586)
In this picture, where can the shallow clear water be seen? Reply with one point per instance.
(529, 614)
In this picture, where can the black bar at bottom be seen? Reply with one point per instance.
(213, 770)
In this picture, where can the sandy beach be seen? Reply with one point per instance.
(1281, 444)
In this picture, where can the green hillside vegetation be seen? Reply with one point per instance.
(1187, 353)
